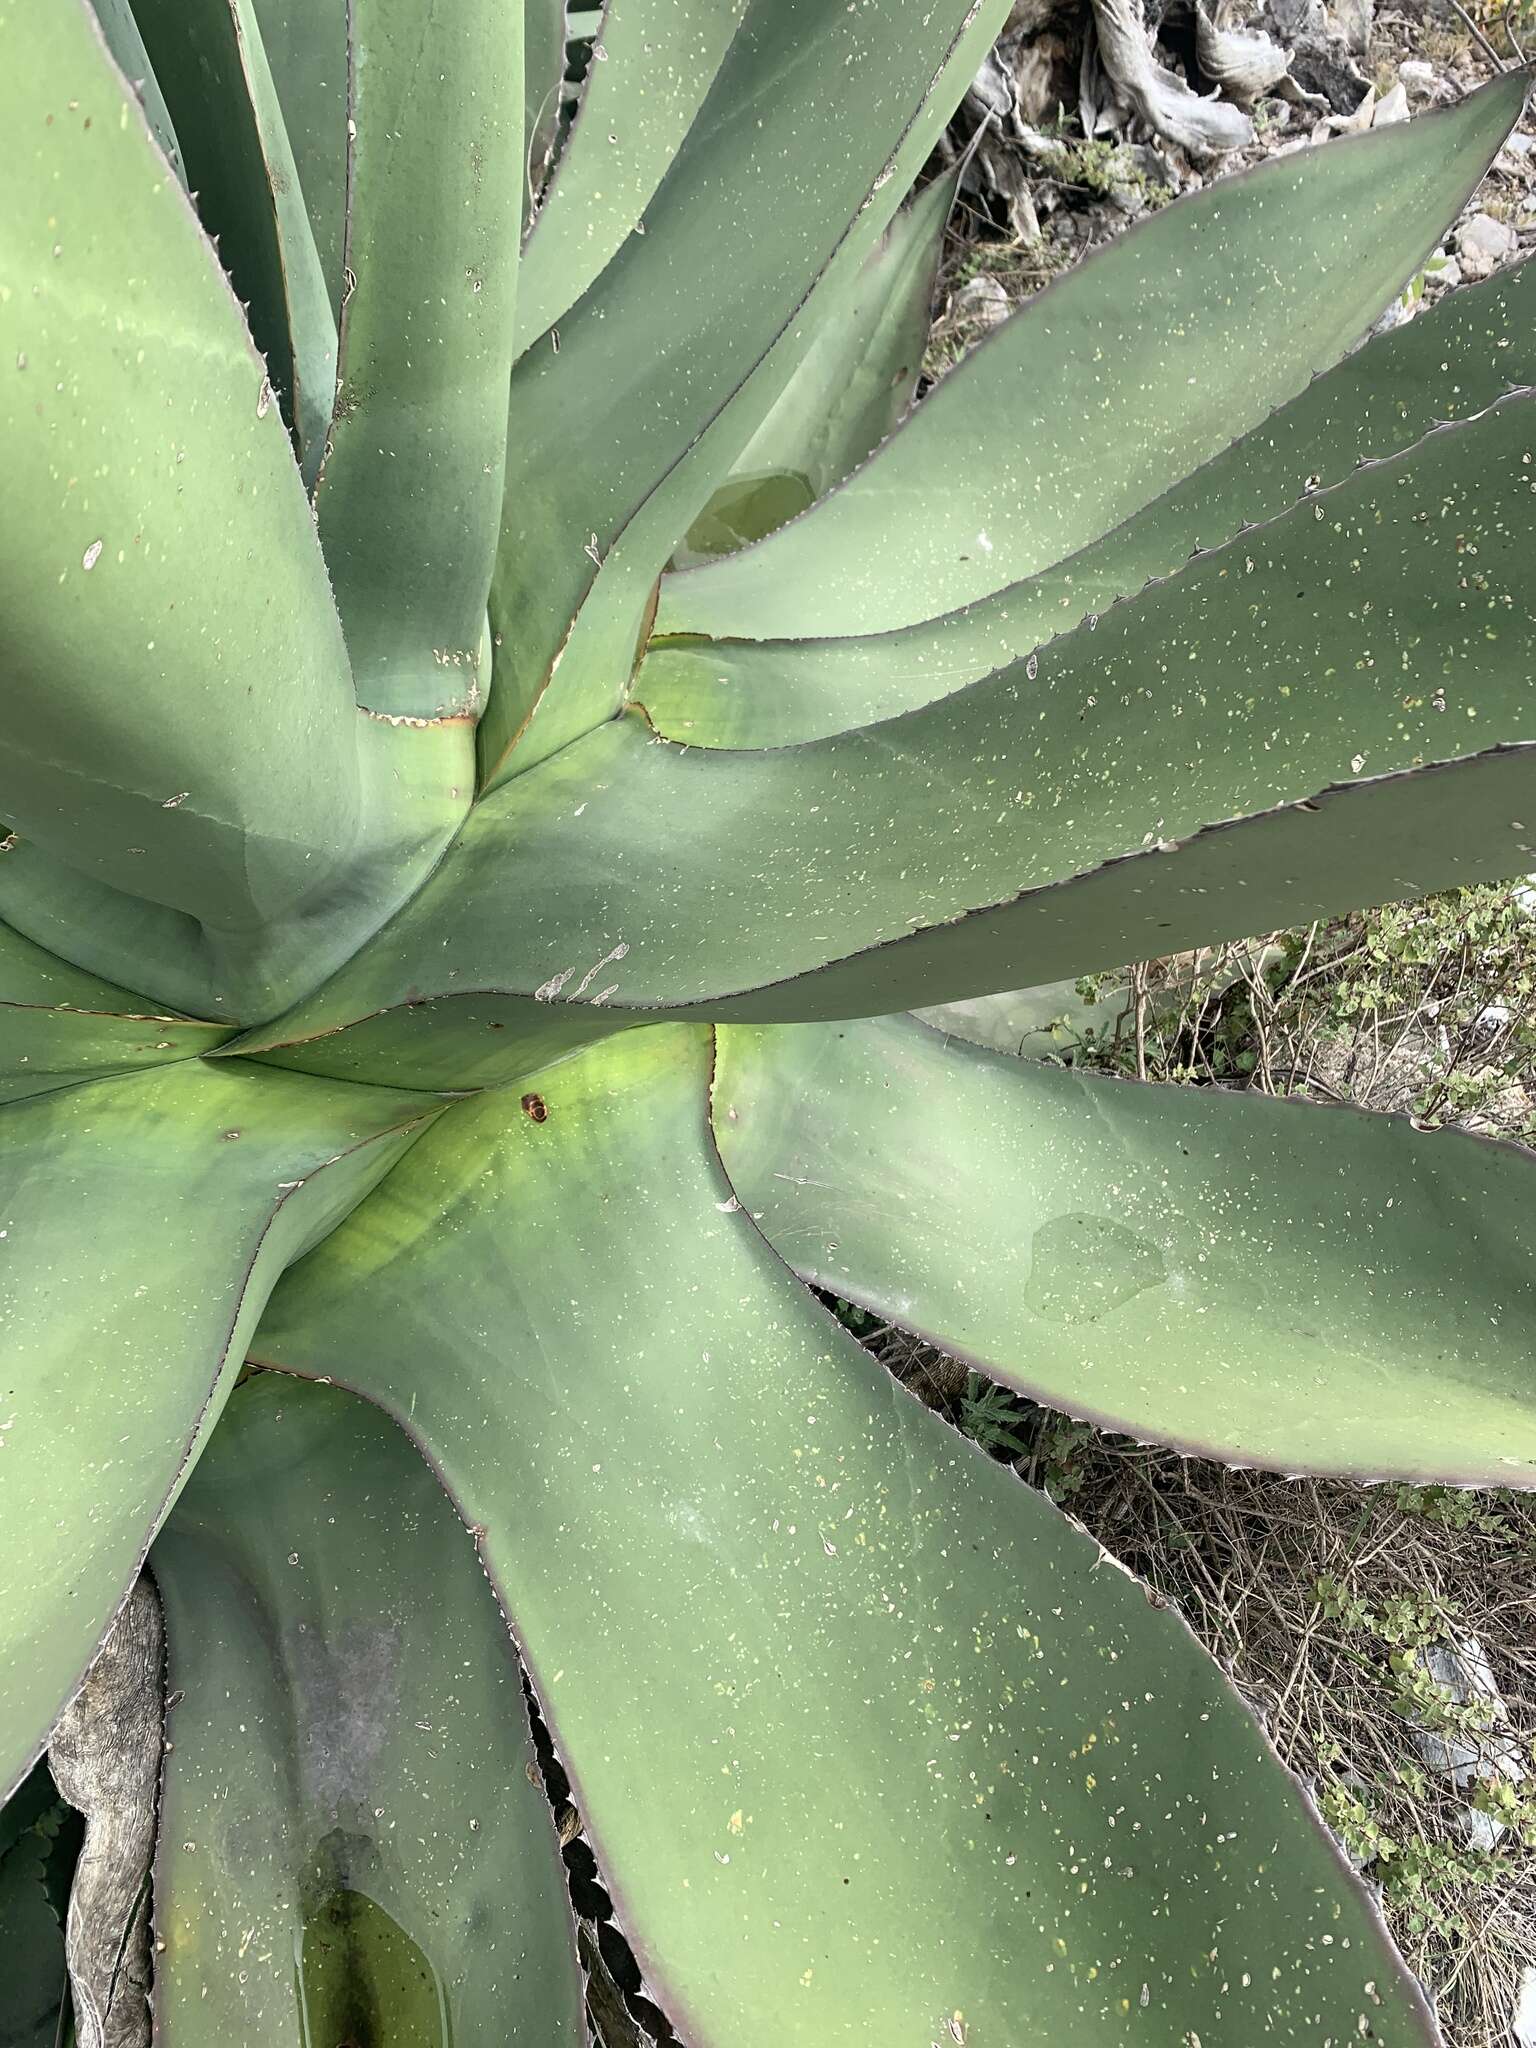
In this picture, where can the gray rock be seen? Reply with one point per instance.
(1359, 119)
(1522, 2025)
(105, 1757)
(1327, 69)
(1463, 1671)
(1151, 164)
(1393, 107)
(1482, 244)
(1351, 22)
(1296, 20)
(1398, 314)
(1416, 75)
(983, 299)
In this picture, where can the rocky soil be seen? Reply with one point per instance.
(1065, 157)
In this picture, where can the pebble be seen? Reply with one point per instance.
(1482, 244)
(983, 299)
(1394, 107)
(1522, 2024)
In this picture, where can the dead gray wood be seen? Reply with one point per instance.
(105, 1758)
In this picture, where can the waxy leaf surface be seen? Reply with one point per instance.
(1449, 363)
(657, 349)
(1273, 1283)
(917, 1763)
(1114, 384)
(209, 765)
(409, 497)
(352, 1841)
(306, 46)
(853, 385)
(142, 1222)
(213, 64)
(652, 65)
(1340, 692)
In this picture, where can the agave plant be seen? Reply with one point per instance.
(455, 977)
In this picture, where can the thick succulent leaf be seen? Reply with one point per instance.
(484, 1040)
(33, 1798)
(353, 1844)
(414, 780)
(59, 1024)
(1136, 366)
(213, 65)
(1323, 683)
(1274, 1283)
(39, 1841)
(43, 1049)
(123, 39)
(34, 1984)
(207, 765)
(1447, 364)
(1070, 1017)
(649, 363)
(652, 66)
(916, 1767)
(119, 937)
(306, 48)
(143, 1223)
(854, 383)
(409, 498)
(600, 650)
(223, 827)
(1033, 1023)
(31, 975)
(543, 78)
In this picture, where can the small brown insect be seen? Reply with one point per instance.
(536, 1107)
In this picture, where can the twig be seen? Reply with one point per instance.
(1139, 987)
(1473, 30)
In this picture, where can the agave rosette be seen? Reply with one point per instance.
(453, 959)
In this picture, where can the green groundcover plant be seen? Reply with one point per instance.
(458, 923)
